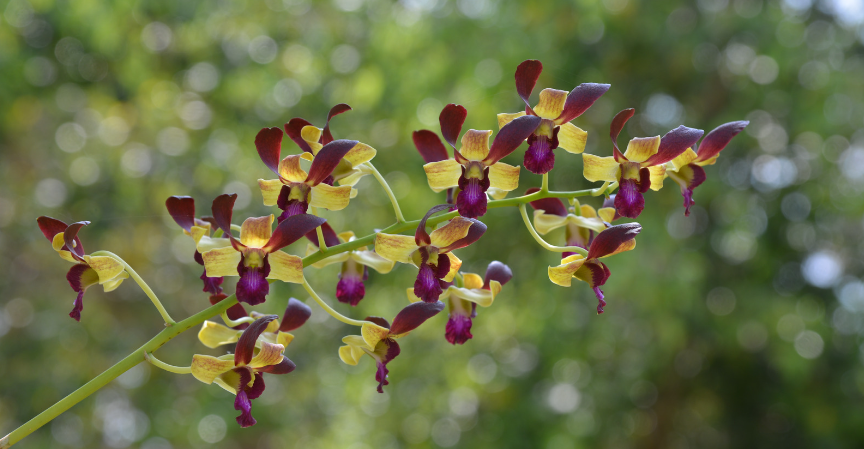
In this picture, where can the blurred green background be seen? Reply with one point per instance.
(738, 327)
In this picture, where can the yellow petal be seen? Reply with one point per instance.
(198, 233)
(471, 280)
(373, 333)
(284, 338)
(206, 243)
(106, 267)
(658, 174)
(372, 260)
(707, 162)
(641, 148)
(397, 248)
(505, 118)
(607, 214)
(684, 158)
(350, 354)
(547, 222)
(206, 368)
(626, 246)
(269, 354)
(346, 236)
(497, 194)
(58, 242)
(66, 255)
(270, 189)
(455, 264)
(221, 262)
(495, 287)
(255, 232)
(592, 223)
(311, 134)
(329, 197)
(572, 138)
(290, 170)
(359, 154)
(475, 144)
(478, 296)
(503, 176)
(214, 335)
(443, 174)
(112, 285)
(551, 103)
(563, 274)
(448, 234)
(285, 267)
(354, 340)
(596, 168)
(352, 178)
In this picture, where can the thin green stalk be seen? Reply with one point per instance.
(234, 323)
(319, 231)
(543, 243)
(544, 186)
(147, 290)
(329, 309)
(393, 201)
(170, 368)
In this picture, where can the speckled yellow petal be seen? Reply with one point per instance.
(285, 267)
(503, 176)
(372, 260)
(330, 197)
(221, 262)
(206, 368)
(640, 149)
(572, 138)
(684, 158)
(596, 168)
(563, 274)
(255, 232)
(290, 170)
(207, 243)
(214, 335)
(607, 214)
(475, 144)
(545, 223)
(373, 333)
(471, 280)
(443, 174)
(359, 154)
(448, 234)
(455, 264)
(397, 248)
(505, 118)
(551, 103)
(626, 246)
(593, 223)
(270, 189)
(106, 267)
(269, 354)
(658, 174)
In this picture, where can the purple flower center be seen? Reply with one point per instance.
(252, 288)
(427, 287)
(629, 201)
(471, 201)
(458, 329)
(350, 289)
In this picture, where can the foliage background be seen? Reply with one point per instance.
(738, 327)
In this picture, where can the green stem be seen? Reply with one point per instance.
(543, 243)
(329, 309)
(393, 201)
(319, 231)
(147, 290)
(544, 186)
(234, 323)
(170, 368)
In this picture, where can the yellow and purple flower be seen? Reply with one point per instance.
(642, 166)
(475, 167)
(88, 270)
(581, 222)
(589, 269)
(378, 339)
(555, 110)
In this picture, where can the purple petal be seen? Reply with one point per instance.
(458, 329)
(526, 78)
(296, 314)
(234, 312)
(330, 237)
(350, 289)
(242, 402)
(580, 99)
(551, 206)
(73, 244)
(442, 269)
(610, 239)
(629, 201)
(413, 315)
(182, 210)
(327, 159)
(223, 209)
(429, 146)
(245, 349)
(617, 125)
(696, 178)
(471, 201)
(293, 129)
(511, 136)
(497, 271)
(252, 288)
(340, 108)
(50, 227)
(717, 139)
(254, 392)
(292, 229)
(421, 237)
(451, 119)
(539, 158)
(268, 142)
(474, 233)
(283, 367)
(77, 306)
(426, 286)
(211, 285)
(382, 371)
(673, 144)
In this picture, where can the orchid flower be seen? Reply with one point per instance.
(182, 210)
(686, 169)
(428, 251)
(355, 264)
(242, 373)
(255, 256)
(642, 166)
(378, 338)
(213, 334)
(581, 222)
(556, 109)
(463, 301)
(88, 270)
(589, 269)
(476, 167)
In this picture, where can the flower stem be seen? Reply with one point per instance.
(234, 323)
(544, 187)
(329, 309)
(319, 231)
(147, 290)
(383, 182)
(170, 368)
(543, 243)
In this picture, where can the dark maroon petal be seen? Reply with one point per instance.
(599, 275)
(458, 329)
(242, 402)
(293, 128)
(381, 321)
(511, 136)
(421, 237)
(471, 201)
(644, 179)
(268, 142)
(340, 108)
(629, 201)
(50, 227)
(382, 371)
(283, 367)
(234, 312)
(252, 288)
(182, 210)
(697, 179)
(292, 229)
(497, 271)
(254, 392)
(442, 269)
(245, 349)
(717, 139)
(223, 209)
(674, 143)
(551, 206)
(526, 78)
(350, 289)
(327, 159)
(330, 237)
(429, 146)
(474, 233)
(580, 99)
(77, 306)
(539, 159)
(413, 315)
(610, 239)
(296, 314)
(426, 286)
(211, 285)
(74, 276)
(617, 125)
(73, 244)
(451, 119)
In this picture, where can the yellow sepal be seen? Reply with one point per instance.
(572, 138)
(270, 189)
(397, 248)
(206, 368)
(443, 174)
(221, 262)
(503, 176)
(214, 335)
(596, 168)
(373, 333)
(285, 267)
(330, 197)
(505, 118)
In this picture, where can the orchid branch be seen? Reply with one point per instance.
(147, 290)
(329, 309)
(543, 243)
(170, 368)
(386, 186)
(234, 323)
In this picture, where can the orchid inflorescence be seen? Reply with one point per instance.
(324, 175)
